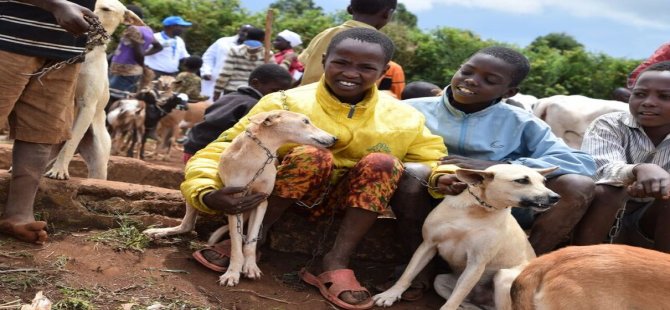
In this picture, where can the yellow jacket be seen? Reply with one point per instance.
(379, 123)
(312, 56)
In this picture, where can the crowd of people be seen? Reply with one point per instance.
(387, 149)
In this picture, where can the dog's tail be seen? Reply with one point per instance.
(526, 285)
(217, 234)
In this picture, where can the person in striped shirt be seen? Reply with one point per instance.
(632, 154)
(240, 62)
(35, 35)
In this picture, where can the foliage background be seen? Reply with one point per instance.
(560, 64)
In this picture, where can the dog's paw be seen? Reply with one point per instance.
(251, 270)
(57, 174)
(229, 278)
(155, 233)
(386, 299)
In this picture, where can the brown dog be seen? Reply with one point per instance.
(606, 276)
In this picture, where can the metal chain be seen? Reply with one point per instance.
(422, 181)
(270, 159)
(614, 231)
(96, 36)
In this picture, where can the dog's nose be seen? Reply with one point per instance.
(554, 198)
(334, 140)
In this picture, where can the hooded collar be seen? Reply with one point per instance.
(334, 106)
(448, 98)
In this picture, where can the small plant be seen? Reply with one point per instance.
(126, 237)
(74, 299)
(60, 262)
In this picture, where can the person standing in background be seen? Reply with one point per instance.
(215, 56)
(166, 62)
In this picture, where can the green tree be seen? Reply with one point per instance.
(560, 41)
(405, 17)
(295, 7)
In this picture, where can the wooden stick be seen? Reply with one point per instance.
(268, 35)
(262, 296)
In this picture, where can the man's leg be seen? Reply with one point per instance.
(655, 223)
(597, 222)
(411, 204)
(554, 226)
(29, 161)
(366, 192)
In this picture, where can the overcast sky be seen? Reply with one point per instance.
(620, 28)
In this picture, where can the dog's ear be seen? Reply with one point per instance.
(546, 171)
(473, 177)
(265, 119)
(130, 18)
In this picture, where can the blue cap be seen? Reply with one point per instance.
(175, 20)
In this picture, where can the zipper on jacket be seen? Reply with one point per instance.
(461, 138)
(352, 107)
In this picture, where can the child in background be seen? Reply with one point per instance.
(286, 57)
(357, 176)
(371, 14)
(230, 108)
(188, 80)
(632, 153)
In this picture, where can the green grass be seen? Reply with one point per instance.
(126, 237)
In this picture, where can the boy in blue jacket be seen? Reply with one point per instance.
(480, 132)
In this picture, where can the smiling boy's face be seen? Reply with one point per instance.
(650, 100)
(352, 68)
(480, 80)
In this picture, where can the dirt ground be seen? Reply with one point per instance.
(82, 270)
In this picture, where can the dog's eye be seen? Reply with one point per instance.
(306, 121)
(523, 181)
(106, 9)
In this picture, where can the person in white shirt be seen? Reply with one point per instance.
(214, 58)
(166, 62)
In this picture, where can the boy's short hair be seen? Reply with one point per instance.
(192, 63)
(419, 89)
(512, 57)
(371, 7)
(364, 35)
(659, 66)
(256, 34)
(270, 72)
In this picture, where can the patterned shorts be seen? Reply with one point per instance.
(307, 174)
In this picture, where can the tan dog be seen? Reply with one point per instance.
(475, 231)
(605, 276)
(249, 161)
(92, 94)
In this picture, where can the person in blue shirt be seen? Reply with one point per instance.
(480, 131)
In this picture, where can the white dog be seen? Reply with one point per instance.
(249, 161)
(92, 94)
(476, 233)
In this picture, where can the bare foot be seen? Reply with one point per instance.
(33, 232)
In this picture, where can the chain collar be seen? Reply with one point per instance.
(479, 200)
(271, 158)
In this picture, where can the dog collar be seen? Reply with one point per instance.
(479, 200)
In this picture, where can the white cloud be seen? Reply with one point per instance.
(653, 14)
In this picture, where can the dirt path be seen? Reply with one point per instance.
(83, 270)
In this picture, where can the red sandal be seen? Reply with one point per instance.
(333, 283)
(223, 250)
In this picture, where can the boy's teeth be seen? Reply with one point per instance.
(465, 90)
(347, 83)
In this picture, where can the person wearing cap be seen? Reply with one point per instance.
(285, 41)
(127, 65)
(215, 56)
(166, 62)
(240, 62)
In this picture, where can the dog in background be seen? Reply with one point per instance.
(476, 233)
(605, 276)
(89, 134)
(250, 153)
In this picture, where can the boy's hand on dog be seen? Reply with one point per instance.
(467, 163)
(650, 181)
(226, 200)
(449, 184)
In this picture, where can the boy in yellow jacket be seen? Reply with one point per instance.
(357, 176)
